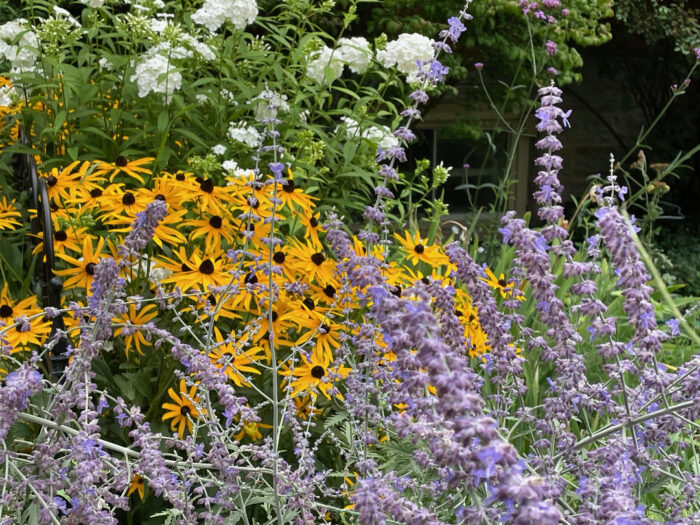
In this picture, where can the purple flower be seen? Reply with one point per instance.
(673, 327)
(551, 47)
(478, 66)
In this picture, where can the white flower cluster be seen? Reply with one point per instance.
(21, 53)
(239, 132)
(93, 3)
(268, 104)
(157, 74)
(379, 135)
(231, 166)
(214, 13)
(353, 52)
(405, 51)
(8, 96)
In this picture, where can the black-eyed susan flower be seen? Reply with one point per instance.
(135, 169)
(315, 374)
(164, 232)
(82, 270)
(324, 333)
(9, 215)
(498, 283)
(116, 202)
(251, 429)
(214, 228)
(292, 196)
(33, 331)
(133, 318)
(311, 262)
(184, 409)
(198, 271)
(418, 249)
(138, 484)
(312, 226)
(68, 238)
(228, 356)
(210, 197)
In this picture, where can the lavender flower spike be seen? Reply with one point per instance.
(143, 229)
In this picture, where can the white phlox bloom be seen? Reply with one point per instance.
(355, 53)
(248, 135)
(318, 62)
(405, 52)
(219, 149)
(157, 74)
(379, 135)
(214, 13)
(21, 54)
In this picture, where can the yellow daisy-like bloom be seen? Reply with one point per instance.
(312, 224)
(196, 271)
(184, 410)
(134, 169)
(324, 332)
(500, 283)
(304, 407)
(137, 318)
(215, 229)
(164, 233)
(311, 263)
(252, 430)
(166, 189)
(34, 332)
(116, 203)
(211, 198)
(291, 195)
(83, 269)
(418, 250)
(9, 215)
(234, 361)
(315, 375)
(137, 485)
(68, 239)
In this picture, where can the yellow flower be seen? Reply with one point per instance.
(8, 215)
(500, 283)
(309, 261)
(196, 271)
(83, 269)
(18, 337)
(229, 356)
(290, 195)
(252, 430)
(136, 318)
(315, 374)
(184, 410)
(137, 485)
(134, 169)
(418, 250)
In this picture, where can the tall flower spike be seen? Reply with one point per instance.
(548, 196)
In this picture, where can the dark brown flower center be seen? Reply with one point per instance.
(128, 199)
(60, 235)
(313, 222)
(95, 192)
(279, 257)
(318, 372)
(309, 303)
(6, 310)
(419, 248)
(215, 222)
(425, 281)
(458, 313)
(120, 161)
(318, 258)
(324, 329)
(211, 300)
(52, 181)
(250, 278)
(502, 282)
(274, 316)
(160, 197)
(206, 186)
(90, 268)
(207, 267)
(180, 177)
(250, 227)
(396, 290)
(289, 187)
(185, 410)
(329, 291)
